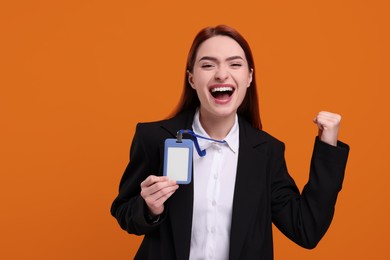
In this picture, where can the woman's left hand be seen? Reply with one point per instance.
(328, 127)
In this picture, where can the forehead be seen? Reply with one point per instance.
(220, 47)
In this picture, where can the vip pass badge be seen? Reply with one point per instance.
(178, 154)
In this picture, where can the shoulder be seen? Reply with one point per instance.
(151, 132)
(257, 136)
(166, 128)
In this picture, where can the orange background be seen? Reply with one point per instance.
(76, 76)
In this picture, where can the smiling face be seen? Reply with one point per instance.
(220, 77)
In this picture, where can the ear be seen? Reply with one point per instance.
(190, 79)
(250, 77)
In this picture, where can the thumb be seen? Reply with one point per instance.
(319, 125)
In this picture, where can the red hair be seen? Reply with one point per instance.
(249, 108)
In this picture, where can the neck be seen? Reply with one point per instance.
(216, 127)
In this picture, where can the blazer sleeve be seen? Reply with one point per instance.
(129, 208)
(305, 217)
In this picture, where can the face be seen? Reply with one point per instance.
(220, 76)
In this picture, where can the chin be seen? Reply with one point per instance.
(223, 112)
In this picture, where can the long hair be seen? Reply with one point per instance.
(249, 108)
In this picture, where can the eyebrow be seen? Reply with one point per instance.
(215, 59)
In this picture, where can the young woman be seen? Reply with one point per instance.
(242, 185)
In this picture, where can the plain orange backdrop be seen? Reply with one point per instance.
(76, 76)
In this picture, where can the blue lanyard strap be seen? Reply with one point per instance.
(194, 138)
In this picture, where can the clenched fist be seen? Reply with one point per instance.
(328, 127)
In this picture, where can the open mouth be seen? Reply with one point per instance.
(222, 92)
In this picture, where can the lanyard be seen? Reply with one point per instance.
(194, 138)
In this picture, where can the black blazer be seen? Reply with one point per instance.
(264, 193)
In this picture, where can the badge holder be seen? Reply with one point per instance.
(178, 156)
(178, 159)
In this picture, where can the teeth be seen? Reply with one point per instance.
(221, 89)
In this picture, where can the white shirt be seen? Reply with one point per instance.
(214, 179)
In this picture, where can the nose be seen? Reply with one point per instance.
(221, 74)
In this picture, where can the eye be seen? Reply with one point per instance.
(236, 65)
(207, 66)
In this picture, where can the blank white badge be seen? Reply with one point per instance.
(178, 160)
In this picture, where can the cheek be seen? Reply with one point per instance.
(244, 81)
(200, 81)
(243, 91)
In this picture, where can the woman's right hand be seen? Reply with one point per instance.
(155, 190)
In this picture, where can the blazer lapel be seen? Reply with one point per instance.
(251, 172)
(180, 204)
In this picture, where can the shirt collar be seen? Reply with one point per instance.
(231, 139)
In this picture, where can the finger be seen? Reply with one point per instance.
(157, 207)
(328, 122)
(161, 200)
(329, 115)
(151, 179)
(156, 188)
(157, 200)
(326, 119)
(162, 192)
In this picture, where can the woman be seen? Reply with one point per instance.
(242, 185)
